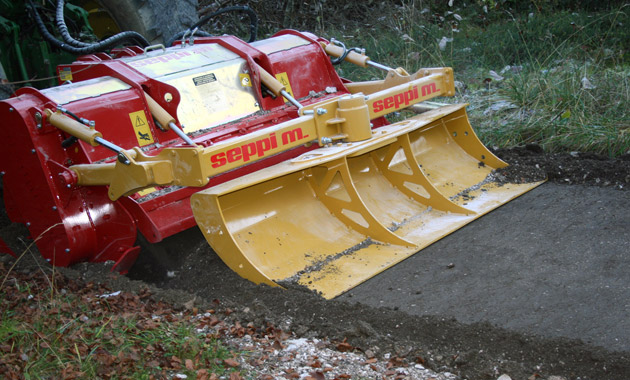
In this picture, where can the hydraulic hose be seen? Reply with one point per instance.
(63, 29)
(90, 48)
(253, 24)
(110, 42)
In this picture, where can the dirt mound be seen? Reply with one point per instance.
(531, 163)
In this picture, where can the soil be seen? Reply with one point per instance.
(536, 288)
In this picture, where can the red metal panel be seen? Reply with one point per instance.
(69, 224)
(82, 223)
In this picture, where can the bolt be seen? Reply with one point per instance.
(2, 174)
(67, 250)
(326, 140)
(38, 119)
(321, 111)
(33, 151)
(11, 109)
(54, 208)
(28, 224)
(168, 97)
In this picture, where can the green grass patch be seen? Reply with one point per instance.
(81, 332)
(567, 86)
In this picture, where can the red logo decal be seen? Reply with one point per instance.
(256, 148)
(403, 99)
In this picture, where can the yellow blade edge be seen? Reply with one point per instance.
(333, 218)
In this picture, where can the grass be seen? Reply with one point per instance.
(53, 328)
(566, 74)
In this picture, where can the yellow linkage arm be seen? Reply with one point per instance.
(344, 118)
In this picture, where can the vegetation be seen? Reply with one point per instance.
(553, 73)
(50, 327)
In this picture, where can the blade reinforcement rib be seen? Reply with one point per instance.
(335, 217)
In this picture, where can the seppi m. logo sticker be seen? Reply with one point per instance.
(258, 148)
(403, 99)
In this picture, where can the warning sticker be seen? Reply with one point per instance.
(284, 79)
(141, 128)
(65, 74)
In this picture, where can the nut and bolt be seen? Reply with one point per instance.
(38, 119)
(67, 250)
(326, 140)
(321, 111)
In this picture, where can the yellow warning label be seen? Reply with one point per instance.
(246, 81)
(141, 128)
(65, 74)
(284, 79)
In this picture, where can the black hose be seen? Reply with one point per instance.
(91, 48)
(63, 29)
(131, 36)
(253, 23)
(346, 51)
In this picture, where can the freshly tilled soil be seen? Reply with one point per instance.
(472, 344)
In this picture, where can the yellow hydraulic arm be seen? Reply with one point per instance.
(346, 118)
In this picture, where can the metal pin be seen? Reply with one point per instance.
(181, 134)
(291, 99)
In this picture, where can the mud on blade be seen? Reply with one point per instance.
(331, 220)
